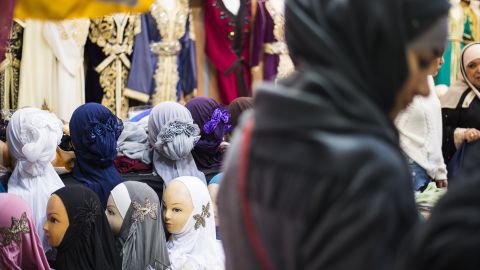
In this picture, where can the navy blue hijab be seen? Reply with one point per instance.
(94, 131)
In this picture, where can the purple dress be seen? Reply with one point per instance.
(269, 46)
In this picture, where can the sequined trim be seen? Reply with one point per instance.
(19, 226)
(10, 71)
(117, 44)
(200, 219)
(87, 215)
(140, 212)
(171, 25)
(285, 65)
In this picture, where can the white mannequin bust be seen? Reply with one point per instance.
(168, 5)
(232, 5)
(278, 5)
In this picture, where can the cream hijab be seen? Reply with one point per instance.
(452, 97)
(33, 136)
(196, 247)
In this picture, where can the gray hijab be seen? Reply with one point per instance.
(172, 135)
(133, 142)
(142, 237)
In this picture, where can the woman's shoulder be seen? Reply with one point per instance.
(453, 96)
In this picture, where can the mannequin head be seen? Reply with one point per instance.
(57, 221)
(114, 217)
(177, 207)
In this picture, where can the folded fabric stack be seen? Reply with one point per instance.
(133, 149)
(428, 198)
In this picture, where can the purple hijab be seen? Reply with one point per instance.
(20, 248)
(212, 118)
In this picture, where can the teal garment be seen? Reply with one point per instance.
(2, 190)
(443, 76)
(217, 179)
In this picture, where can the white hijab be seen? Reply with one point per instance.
(172, 158)
(196, 247)
(452, 97)
(33, 136)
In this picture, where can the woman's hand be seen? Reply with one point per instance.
(441, 183)
(472, 135)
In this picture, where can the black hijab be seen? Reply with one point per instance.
(88, 242)
(327, 184)
(355, 52)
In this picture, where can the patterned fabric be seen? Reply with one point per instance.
(10, 68)
(109, 50)
(20, 246)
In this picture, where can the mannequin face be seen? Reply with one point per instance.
(177, 206)
(113, 215)
(57, 221)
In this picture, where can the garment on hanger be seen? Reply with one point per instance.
(227, 43)
(108, 51)
(164, 67)
(38, 82)
(67, 40)
(10, 67)
(269, 42)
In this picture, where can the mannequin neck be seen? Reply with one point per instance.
(168, 5)
(232, 5)
(278, 5)
(119, 17)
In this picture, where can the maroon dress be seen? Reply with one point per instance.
(227, 38)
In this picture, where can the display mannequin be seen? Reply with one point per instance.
(38, 85)
(133, 211)
(108, 52)
(269, 44)
(164, 67)
(10, 67)
(171, 18)
(189, 218)
(79, 230)
(67, 40)
(227, 45)
(232, 5)
(57, 221)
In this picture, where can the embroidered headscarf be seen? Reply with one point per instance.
(20, 246)
(213, 121)
(94, 131)
(88, 242)
(141, 237)
(173, 135)
(196, 243)
(33, 136)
